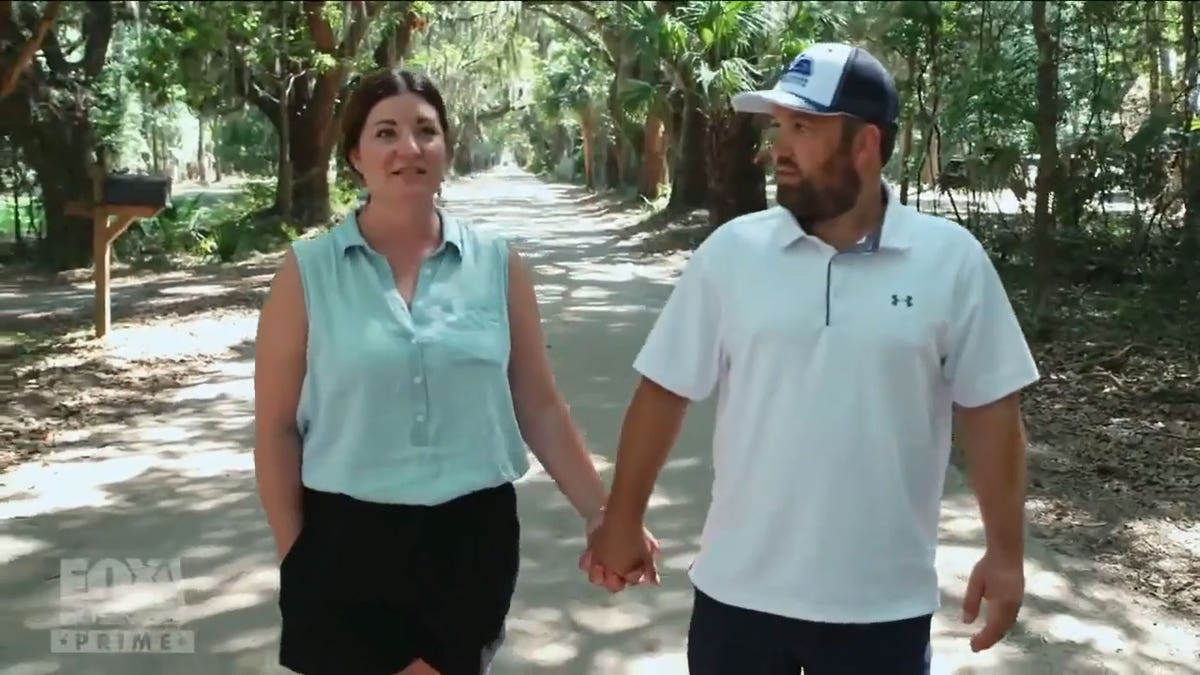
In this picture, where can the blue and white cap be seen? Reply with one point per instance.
(831, 78)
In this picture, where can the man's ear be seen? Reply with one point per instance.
(869, 138)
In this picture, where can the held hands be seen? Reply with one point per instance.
(1001, 581)
(619, 554)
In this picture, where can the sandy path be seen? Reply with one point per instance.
(181, 487)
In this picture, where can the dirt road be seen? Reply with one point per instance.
(178, 486)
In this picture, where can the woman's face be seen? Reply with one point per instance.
(402, 149)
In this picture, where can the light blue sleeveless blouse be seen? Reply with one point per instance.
(407, 405)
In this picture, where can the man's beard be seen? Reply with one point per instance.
(811, 203)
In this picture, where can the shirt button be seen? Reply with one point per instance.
(418, 379)
(420, 417)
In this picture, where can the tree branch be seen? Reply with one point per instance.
(9, 79)
(394, 45)
(367, 12)
(495, 113)
(318, 27)
(578, 32)
(585, 8)
(256, 94)
(322, 113)
(98, 27)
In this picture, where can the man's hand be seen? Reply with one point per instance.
(619, 554)
(1001, 581)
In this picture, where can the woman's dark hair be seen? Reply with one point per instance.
(375, 86)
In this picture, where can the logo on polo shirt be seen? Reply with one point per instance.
(906, 299)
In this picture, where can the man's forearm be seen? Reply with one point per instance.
(994, 441)
(649, 431)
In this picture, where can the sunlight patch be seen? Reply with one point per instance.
(609, 620)
(14, 547)
(591, 293)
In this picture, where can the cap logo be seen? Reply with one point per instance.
(798, 73)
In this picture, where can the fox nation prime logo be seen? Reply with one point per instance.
(121, 605)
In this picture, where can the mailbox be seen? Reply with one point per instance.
(137, 190)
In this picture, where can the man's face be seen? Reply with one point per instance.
(815, 169)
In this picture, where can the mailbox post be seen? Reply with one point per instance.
(118, 200)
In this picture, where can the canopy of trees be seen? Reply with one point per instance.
(1079, 113)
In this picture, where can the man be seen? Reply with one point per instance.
(844, 331)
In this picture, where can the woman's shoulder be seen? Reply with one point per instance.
(313, 246)
(476, 237)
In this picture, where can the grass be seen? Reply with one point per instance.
(30, 214)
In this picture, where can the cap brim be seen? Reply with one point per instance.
(765, 101)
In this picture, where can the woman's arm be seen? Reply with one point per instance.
(542, 415)
(279, 366)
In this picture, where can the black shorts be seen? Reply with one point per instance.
(724, 639)
(369, 588)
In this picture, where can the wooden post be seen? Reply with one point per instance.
(105, 230)
(101, 256)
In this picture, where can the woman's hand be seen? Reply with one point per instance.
(618, 555)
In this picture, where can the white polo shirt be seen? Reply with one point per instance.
(836, 376)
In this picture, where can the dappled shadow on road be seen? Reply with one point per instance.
(598, 299)
(181, 485)
(72, 389)
(66, 306)
(1074, 619)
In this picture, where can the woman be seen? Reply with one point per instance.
(400, 374)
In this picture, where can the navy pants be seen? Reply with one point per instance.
(724, 640)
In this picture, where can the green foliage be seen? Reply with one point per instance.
(520, 79)
(246, 142)
(210, 226)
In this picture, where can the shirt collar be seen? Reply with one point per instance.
(892, 235)
(348, 235)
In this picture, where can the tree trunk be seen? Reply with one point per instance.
(201, 165)
(614, 157)
(906, 136)
(588, 130)
(310, 183)
(1047, 135)
(689, 184)
(57, 148)
(1191, 195)
(612, 165)
(1167, 73)
(1152, 53)
(463, 160)
(931, 169)
(906, 146)
(654, 158)
(57, 141)
(309, 160)
(736, 183)
(285, 188)
(313, 112)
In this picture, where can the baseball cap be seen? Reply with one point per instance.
(830, 78)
